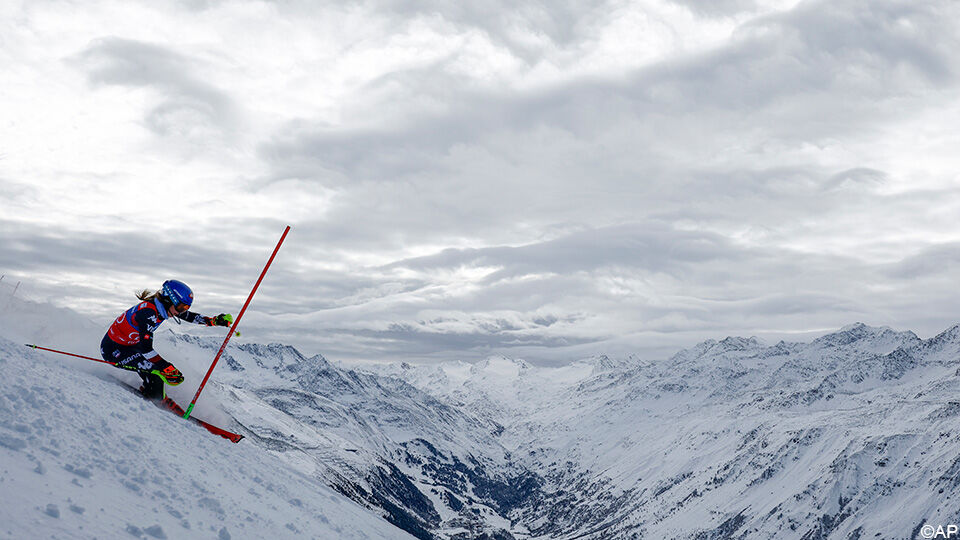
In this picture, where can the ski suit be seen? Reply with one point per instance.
(128, 343)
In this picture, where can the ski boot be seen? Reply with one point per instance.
(152, 388)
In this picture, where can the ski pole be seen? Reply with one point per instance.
(235, 323)
(67, 353)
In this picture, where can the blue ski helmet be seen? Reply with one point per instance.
(177, 294)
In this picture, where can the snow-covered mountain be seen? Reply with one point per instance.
(853, 435)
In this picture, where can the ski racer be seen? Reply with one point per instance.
(128, 343)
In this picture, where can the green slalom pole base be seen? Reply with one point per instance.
(188, 411)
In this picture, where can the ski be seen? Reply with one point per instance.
(172, 406)
(166, 403)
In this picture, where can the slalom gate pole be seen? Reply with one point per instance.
(235, 323)
(67, 353)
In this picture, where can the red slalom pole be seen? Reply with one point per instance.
(68, 353)
(235, 323)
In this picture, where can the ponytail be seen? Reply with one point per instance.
(146, 295)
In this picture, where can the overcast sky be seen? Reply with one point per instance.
(543, 180)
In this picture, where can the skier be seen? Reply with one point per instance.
(128, 343)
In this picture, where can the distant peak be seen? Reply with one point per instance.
(501, 365)
(740, 342)
(855, 326)
(727, 344)
(602, 362)
(947, 335)
(859, 331)
(952, 331)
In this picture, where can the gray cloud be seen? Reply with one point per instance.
(511, 23)
(187, 101)
(643, 144)
(651, 279)
(854, 177)
(651, 246)
(718, 8)
(761, 184)
(821, 69)
(938, 261)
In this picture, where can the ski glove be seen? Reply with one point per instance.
(223, 319)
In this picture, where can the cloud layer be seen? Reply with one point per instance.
(540, 181)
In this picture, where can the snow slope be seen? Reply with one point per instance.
(83, 457)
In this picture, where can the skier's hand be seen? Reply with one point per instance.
(223, 319)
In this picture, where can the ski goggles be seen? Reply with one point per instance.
(181, 307)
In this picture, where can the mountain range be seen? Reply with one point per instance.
(852, 435)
